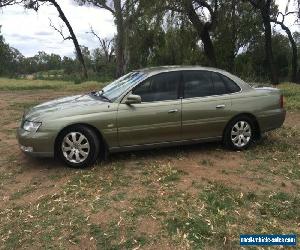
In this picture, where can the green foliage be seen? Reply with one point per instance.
(251, 64)
(292, 94)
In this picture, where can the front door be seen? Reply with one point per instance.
(158, 118)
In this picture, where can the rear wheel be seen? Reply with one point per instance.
(78, 147)
(239, 133)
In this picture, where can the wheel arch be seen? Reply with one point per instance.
(93, 128)
(249, 115)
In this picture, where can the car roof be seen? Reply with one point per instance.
(161, 69)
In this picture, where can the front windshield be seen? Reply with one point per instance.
(117, 88)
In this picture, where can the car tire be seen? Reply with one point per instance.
(78, 147)
(239, 133)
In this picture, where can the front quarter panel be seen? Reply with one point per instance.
(102, 118)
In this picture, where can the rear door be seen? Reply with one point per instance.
(206, 106)
(158, 118)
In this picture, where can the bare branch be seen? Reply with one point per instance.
(4, 3)
(101, 4)
(106, 45)
(60, 31)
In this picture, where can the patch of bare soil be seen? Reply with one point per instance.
(231, 171)
(86, 243)
(149, 226)
(229, 168)
(104, 217)
(292, 120)
(24, 170)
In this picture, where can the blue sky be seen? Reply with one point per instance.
(30, 32)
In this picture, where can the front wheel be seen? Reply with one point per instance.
(78, 147)
(239, 133)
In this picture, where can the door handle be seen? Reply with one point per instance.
(222, 106)
(172, 111)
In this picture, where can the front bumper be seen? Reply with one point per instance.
(39, 144)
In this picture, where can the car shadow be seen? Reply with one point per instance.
(165, 152)
(170, 152)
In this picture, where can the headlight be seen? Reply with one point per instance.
(31, 126)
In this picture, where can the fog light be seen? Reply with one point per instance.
(26, 149)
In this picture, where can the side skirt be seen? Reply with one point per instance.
(163, 144)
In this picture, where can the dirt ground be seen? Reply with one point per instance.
(26, 181)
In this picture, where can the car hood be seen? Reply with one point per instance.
(66, 106)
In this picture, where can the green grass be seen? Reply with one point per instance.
(23, 105)
(292, 94)
(22, 192)
(277, 154)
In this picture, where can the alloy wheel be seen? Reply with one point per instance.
(75, 147)
(241, 134)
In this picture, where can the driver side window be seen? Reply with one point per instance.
(160, 87)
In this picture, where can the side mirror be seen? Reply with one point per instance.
(133, 99)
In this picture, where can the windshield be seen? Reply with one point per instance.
(117, 88)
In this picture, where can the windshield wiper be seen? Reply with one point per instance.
(100, 94)
(105, 97)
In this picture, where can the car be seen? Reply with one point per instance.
(150, 108)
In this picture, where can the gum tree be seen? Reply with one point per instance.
(35, 5)
(280, 20)
(264, 8)
(124, 13)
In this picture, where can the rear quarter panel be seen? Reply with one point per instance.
(264, 104)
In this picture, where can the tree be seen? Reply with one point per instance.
(298, 5)
(35, 4)
(196, 12)
(124, 13)
(106, 46)
(238, 25)
(264, 7)
(4, 55)
(292, 42)
(4, 3)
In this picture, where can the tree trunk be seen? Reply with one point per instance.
(73, 37)
(203, 30)
(120, 47)
(208, 45)
(294, 51)
(233, 36)
(265, 13)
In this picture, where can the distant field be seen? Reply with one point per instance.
(192, 197)
(7, 84)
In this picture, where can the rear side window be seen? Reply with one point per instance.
(231, 85)
(219, 85)
(197, 84)
(160, 87)
(223, 85)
